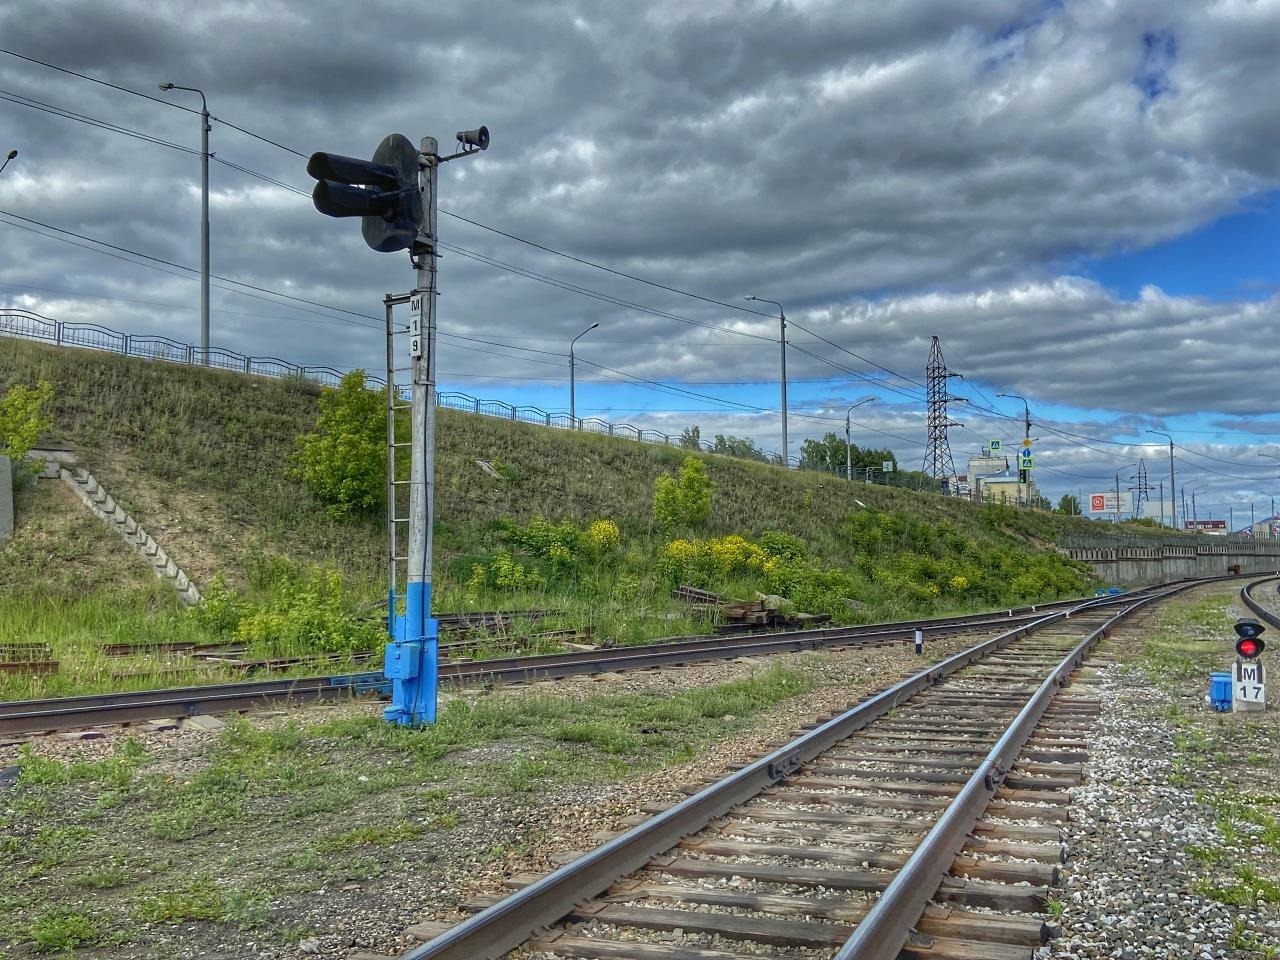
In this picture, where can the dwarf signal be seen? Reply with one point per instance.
(1249, 677)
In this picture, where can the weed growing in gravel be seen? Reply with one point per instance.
(109, 874)
(1204, 854)
(380, 836)
(1249, 889)
(63, 929)
(1242, 938)
(203, 900)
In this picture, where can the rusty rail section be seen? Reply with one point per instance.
(61, 713)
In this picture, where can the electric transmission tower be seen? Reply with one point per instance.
(1142, 491)
(937, 458)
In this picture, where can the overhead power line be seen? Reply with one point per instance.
(33, 104)
(188, 270)
(85, 76)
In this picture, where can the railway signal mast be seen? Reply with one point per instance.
(394, 194)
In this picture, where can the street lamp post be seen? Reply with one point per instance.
(204, 217)
(1195, 515)
(782, 342)
(1173, 485)
(848, 441)
(1026, 434)
(9, 156)
(573, 410)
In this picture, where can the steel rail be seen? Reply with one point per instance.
(494, 931)
(887, 926)
(1258, 610)
(60, 713)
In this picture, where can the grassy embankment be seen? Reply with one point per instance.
(201, 458)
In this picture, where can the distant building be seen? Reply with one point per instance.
(1003, 487)
(1215, 527)
(1268, 528)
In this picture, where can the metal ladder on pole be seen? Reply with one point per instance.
(398, 396)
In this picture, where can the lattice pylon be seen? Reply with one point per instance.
(1142, 490)
(937, 458)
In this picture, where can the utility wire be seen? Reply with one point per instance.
(85, 76)
(188, 270)
(25, 101)
(601, 266)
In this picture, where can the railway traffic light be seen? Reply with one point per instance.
(383, 191)
(1250, 645)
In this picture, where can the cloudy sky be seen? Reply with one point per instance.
(1082, 200)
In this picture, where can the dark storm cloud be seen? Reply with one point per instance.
(889, 173)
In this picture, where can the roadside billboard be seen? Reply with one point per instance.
(1107, 502)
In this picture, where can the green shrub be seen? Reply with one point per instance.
(684, 501)
(344, 462)
(308, 615)
(23, 417)
(289, 610)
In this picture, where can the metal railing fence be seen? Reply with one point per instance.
(26, 325)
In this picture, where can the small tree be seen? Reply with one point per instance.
(1069, 505)
(691, 438)
(23, 417)
(344, 462)
(684, 501)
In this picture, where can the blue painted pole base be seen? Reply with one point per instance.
(412, 661)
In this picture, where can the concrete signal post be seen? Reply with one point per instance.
(395, 195)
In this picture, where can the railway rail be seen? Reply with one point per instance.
(1268, 614)
(21, 717)
(921, 822)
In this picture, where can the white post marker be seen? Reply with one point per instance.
(1249, 689)
(919, 640)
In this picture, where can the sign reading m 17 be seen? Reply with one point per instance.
(1249, 690)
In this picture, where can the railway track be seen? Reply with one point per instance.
(1268, 611)
(21, 717)
(920, 823)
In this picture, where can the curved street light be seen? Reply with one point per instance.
(1173, 484)
(204, 217)
(782, 342)
(1026, 435)
(848, 441)
(573, 411)
(9, 156)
